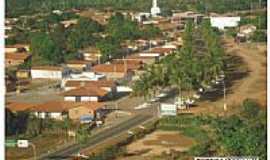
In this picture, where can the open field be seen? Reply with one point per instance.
(157, 143)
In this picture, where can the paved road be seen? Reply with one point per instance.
(96, 139)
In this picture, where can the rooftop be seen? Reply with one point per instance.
(17, 56)
(19, 106)
(51, 68)
(99, 83)
(86, 91)
(115, 67)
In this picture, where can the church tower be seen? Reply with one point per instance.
(155, 10)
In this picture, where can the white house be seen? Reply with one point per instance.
(49, 72)
(223, 22)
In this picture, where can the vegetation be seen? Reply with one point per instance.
(25, 125)
(198, 62)
(15, 8)
(260, 20)
(259, 36)
(238, 134)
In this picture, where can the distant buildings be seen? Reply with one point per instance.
(59, 110)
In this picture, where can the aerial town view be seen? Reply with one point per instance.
(135, 79)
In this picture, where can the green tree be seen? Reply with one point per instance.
(44, 47)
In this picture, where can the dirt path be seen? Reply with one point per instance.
(253, 85)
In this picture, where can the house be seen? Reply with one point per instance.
(92, 109)
(14, 59)
(91, 54)
(107, 85)
(163, 51)
(224, 22)
(116, 71)
(183, 17)
(70, 22)
(85, 94)
(22, 74)
(59, 110)
(247, 30)
(49, 72)
(17, 48)
(81, 65)
(144, 59)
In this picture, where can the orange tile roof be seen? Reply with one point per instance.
(162, 50)
(19, 106)
(53, 68)
(86, 91)
(99, 83)
(138, 57)
(17, 46)
(17, 56)
(115, 67)
(63, 106)
(128, 61)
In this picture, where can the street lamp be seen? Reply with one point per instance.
(224, 95)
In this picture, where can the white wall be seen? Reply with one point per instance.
(69, 98)
(56, 115)
(10, 50)
(222, 22)
(46, 74)
(149, 54)
(88, 99)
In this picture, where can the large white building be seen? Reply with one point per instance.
(224, 22)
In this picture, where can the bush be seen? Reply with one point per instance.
(259, 36)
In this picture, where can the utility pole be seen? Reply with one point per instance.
(224, 96)
(34, 150)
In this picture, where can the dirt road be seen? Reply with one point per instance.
(252, 85)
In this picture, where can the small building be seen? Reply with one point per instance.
(81, 65)
(70, 22)
(14, 59)
(17, 48)
(22, 74)
(247, 30)
(86, 94)
(49, 72)
(144, 59)
(116, 71)
(91, 54)
(183, 17)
